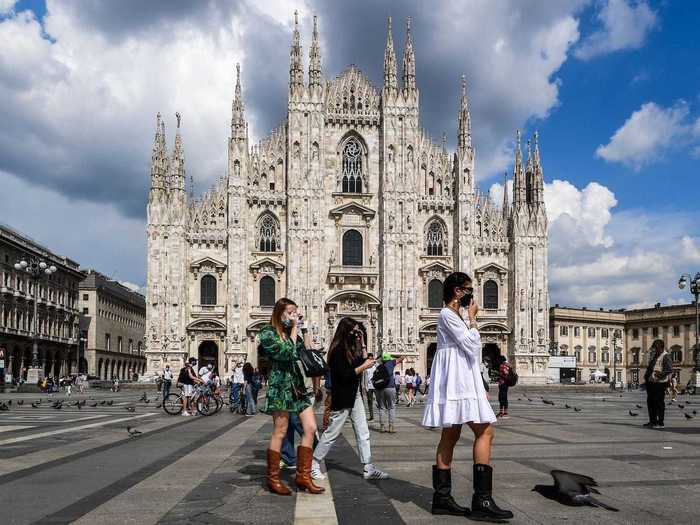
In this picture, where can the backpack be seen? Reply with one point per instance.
(419, 381)
(381, 377)
(511, 377)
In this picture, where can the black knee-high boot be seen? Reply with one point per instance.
(483, 506)
(443, 502)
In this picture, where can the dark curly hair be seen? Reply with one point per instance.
(454, 280)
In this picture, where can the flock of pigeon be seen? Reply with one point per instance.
(681, 406)
(59, 404)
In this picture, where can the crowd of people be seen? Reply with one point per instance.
(454, 394)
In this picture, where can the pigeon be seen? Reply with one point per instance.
(103, 402)
(577, 409)
(147, 401)
(58, 407)
(566, 405)
(133, 432)
(159, 405)
(519, 399)
(634, 413)
(681, 406)
(35, 405)
(4, 407)
(93, 404)
(529, 399)
(9, 403)
(604, 399)
(572, 489)
(620, 395)
(110, 402)
(638, 406)
(20, 402)
(130, 409)
(695, 412)
(688, 403)
(80, 407)
(687, 416)
(547, 402)
(143, 397)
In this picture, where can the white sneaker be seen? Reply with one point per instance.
(185, 413)
(372, 472)
(316, 470)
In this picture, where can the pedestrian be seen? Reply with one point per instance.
(281, 344)
(347, 361)
(397, 385)
(656, 379)
(369, 387)
(427, 385)
(257, 385)
(188, 378)
(673, 387)
(503, 370)
(115, 385)
(69, 386)
(167, 381)
(386, 397)
(237, 381)
(457, 396)
(418, 382)
(248, 371)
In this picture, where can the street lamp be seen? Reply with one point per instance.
(695, 290)
(615, 339)
(37, 270)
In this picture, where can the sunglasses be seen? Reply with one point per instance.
(466, 290)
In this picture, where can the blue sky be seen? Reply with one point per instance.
(612, 86)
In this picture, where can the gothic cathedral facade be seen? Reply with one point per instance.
(350, 209)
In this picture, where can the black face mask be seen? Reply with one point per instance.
(465, 300)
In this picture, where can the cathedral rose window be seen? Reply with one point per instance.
(352, 167)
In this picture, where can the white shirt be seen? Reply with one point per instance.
(168, 374)
(238, 375)
(204, 374)
(368, 377)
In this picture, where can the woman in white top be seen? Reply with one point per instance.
(457, 396)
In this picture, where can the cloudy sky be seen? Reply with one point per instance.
(612, 86)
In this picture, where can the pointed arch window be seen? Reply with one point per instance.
(268, 234)
(267, 291)
(491, 295)
(352, 248)
(435, 294)
(435, 239)
(352, 166)
(208, 290)
(529, 187)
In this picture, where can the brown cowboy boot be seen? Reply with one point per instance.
(303, 479)
(274, 483)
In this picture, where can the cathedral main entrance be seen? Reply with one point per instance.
(208, 354)
(432, 347)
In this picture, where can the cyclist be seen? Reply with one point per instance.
(188, 378)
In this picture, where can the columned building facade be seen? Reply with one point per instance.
(348, 208)
(596, 336)
(113, 325)
(57, 308)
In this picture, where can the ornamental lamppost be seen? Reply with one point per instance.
(37, 270)
(615, 339)
(695, 290)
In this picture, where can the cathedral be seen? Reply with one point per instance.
(348, 208)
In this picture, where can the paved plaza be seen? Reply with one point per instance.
(81, 466)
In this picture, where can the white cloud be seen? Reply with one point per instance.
(6, 6)
(626, 24)
(646, 135)
(602, 258)
(133, 287)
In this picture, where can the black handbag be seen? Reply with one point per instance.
(312, 362)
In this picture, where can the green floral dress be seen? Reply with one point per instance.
(284, 372)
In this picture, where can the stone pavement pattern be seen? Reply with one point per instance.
(80, 466)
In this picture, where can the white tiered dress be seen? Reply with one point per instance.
(457, 393)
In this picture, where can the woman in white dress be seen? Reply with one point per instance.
(457, 396)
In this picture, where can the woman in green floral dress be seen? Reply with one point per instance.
(286, 392)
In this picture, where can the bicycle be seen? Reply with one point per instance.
(205, 402)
